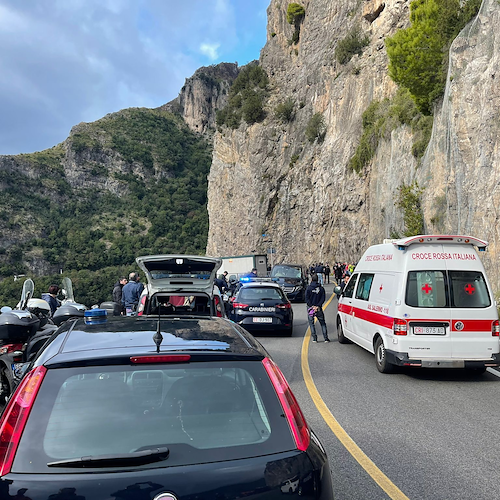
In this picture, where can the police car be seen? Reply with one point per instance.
(262, 307)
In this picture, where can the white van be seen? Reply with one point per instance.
(422, 301)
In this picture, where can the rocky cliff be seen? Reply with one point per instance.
(268, 178)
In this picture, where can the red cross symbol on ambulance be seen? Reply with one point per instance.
(427, 288)
(469, 289)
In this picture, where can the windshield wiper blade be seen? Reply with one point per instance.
(116, 460)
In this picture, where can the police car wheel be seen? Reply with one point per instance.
(383, 366)
(340, 334)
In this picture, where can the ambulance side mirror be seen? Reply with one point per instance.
(337, 290)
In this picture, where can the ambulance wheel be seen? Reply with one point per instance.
(340, 334)
(383, 366)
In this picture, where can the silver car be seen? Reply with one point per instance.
(180, 285)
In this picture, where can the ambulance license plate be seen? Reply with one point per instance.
(262, 320)
(428, 330)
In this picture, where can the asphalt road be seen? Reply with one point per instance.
(433, 433)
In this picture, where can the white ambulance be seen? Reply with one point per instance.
(422, 301)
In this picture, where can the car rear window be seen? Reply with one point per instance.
(286, 272)
(163, 304)
(261, 293)
(203, 412)
(456, 289)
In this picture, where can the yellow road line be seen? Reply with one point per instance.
(376, 474)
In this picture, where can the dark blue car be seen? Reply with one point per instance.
(156, 408)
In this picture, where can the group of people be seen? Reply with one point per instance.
(339, 270)
(127, 293)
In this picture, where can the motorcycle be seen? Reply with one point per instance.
(21, 346)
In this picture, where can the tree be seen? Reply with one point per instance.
(294, 15)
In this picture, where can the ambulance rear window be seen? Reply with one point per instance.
(426, 289)
(468, 289)
(456, 289)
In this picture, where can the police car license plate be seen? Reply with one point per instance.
(262, 320)
(428, 330)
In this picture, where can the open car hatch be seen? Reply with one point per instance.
(174, 272)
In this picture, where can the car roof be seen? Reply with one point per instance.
(289, 265)
(122, 337)
(260, 284)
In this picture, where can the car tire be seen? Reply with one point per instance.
(289, 332)
(340, 334)
(383, 366)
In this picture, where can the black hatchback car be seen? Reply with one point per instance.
(262, 307)
(143, 408)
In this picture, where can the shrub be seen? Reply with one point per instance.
(246, 98)
(285, 111)
(315, 127)
(352, 44)
(409, 201)
(294, 15)
(418, 55)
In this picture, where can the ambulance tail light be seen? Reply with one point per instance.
(400, 327)
(495, 328)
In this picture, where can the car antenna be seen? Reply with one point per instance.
(158, 337)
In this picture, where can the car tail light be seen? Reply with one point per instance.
(400, 327)
(142, 305)
(162, 358)
(239, 305)
(495, 328)
(15, 416)
(284, 306)
(293, 413)
(218, 308)
(11, 348)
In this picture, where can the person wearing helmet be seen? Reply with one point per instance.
(51, 298)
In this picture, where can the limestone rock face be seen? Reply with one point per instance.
(267, 178)
(203, 94)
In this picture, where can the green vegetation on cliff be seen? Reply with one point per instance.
(418, 55)
(140, 188)
(247, 97)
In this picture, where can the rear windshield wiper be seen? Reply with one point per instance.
(116, 460)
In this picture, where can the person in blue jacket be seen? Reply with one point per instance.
(315, 298)
(131, 293)
(51, 298)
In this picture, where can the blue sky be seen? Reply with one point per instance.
(67, 61)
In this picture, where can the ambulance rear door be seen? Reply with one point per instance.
(428, 313)
(473, 312)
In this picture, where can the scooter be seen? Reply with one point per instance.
(17, 326)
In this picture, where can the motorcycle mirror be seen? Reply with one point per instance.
(5, 309)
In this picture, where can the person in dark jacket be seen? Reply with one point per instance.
(131, 293)
(327, 273)
(315, 298)
(220, 283)
(51, 298)
(117, 291)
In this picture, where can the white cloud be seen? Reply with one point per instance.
(210, 50)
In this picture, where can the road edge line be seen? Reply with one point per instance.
(358, 454)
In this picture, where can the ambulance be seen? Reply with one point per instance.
(422, 301)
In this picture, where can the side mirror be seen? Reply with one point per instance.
(337, 290)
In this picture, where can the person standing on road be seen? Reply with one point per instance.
(117, 292)
(315, 298)
(319, 271)
(327, 273)
(131, 293)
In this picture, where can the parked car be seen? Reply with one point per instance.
(144, 407)
(293, 279)
(262, 306)
(180, 285)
